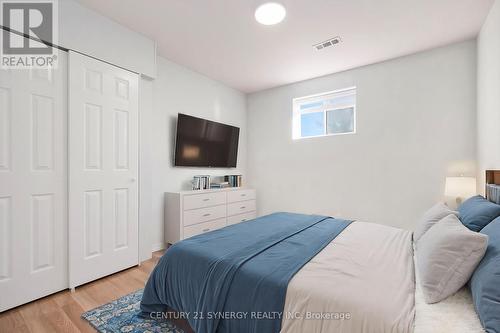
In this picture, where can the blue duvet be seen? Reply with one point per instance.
(235, 279)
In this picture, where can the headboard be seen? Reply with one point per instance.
(493, 185)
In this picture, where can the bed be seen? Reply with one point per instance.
(295, 273)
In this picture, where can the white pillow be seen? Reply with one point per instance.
(431, 217)
(447, 255)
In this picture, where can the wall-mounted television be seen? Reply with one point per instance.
(204, 143)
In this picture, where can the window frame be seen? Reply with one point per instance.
(321, 97)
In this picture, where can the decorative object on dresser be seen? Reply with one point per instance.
(201, 182)
(234, 180)
(189, 213)
(219, 185)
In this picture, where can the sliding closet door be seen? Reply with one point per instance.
(33, 183)
(103, 169)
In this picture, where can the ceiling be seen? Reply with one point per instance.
(222, 40)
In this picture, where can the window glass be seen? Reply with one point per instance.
(340, 121)
(312, 124)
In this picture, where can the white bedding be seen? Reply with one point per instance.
(368, 273)
(455, 314)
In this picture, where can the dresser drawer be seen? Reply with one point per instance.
(241, 218)
(196, 216)
(203, 227)
(241, 207)
(240, 195)
(195, 201)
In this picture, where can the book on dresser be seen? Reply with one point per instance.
(190, 213)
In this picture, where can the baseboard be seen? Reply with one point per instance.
(158, 247)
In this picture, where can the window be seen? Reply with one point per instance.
(325, 114)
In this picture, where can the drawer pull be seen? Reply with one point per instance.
(205, 230)
(207, 199)
(243, 195)
(207, 214)
(242, 207)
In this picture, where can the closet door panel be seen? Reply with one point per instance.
(5, 124)
(5, 238)
(103, 159)
(33, 183)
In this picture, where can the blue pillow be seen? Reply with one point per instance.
(477, 212)
(485, 282)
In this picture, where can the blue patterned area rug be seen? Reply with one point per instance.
(122, 315)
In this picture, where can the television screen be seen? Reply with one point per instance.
(205, 143)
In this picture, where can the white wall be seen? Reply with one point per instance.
(488, 95)
(415, 125)
(83, 30)
(180, 90)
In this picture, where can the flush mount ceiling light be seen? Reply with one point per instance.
(270, 13)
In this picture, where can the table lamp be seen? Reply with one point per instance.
(460, 188)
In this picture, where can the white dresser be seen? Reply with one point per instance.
(189, 213)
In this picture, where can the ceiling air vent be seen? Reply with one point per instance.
(327, 43)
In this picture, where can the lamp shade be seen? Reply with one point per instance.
(460, 187)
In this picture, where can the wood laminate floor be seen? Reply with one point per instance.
(61, 312)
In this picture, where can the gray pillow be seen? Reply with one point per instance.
(431, 217)
(447, 255)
